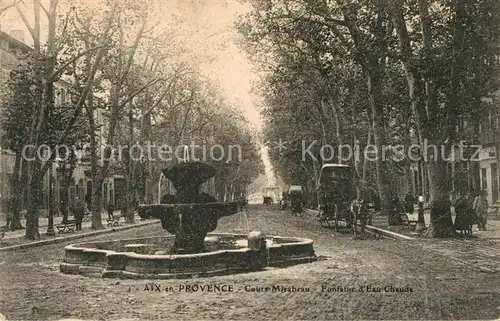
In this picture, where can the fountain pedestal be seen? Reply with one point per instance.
(189, 214)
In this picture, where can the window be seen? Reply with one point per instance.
(57, 97)
(4, 76)
(484, 184)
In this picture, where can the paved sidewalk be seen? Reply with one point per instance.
(44, 222)
(492, 225)
(14, 240)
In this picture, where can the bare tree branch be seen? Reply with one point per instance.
(132, 53)
(137, 92)
(58, 72)
(157, 103)
(9, 6)
(26, 22)
(43, 8)
(184, 101)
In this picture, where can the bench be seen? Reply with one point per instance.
(114, 221)
(2, 231)
(87, 217)
(407, 223)
(496, 207)
(67, 227)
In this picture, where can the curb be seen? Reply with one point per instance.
(378, 230)
(387, 233)
(74, 237)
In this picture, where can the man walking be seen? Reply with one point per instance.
(9, 209)
(78, 210)
(63, 208)
(409, 201)
(111, 210)
(481, 208)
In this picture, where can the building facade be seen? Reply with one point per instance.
(12, 46)
(10, 49)
(489, 157)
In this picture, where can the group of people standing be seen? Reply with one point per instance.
(470, 208)
(79, 208)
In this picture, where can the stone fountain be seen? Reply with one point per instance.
(189, 214)
(190, 250)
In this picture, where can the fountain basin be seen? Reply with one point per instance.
(230, 254)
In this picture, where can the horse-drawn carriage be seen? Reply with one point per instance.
(337, 198)
(242, 202)
(284, 202)
(296, 199)
(267, 200)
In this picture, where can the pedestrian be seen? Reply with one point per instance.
(421, 200)
(10, 213)
(471, 218)
(481, 209)
(396, 207)
(359, 209)
(409, 201)
(461, 214)
(123, 208)
(78, 211)
(63, 208)
(421, 217)
(111, 210)
(88, 201)
(376, 202)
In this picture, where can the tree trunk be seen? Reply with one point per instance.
(130, 176)
(441, 224)
(407, 144)
(497, 155)
(94, 168)
(116, 105)
(365, 161)
(356, 165)
(33, 201)
(426, 113)
(32, 166)
(15, 224)
(131, 196)
(96, 205)
(377, 118)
